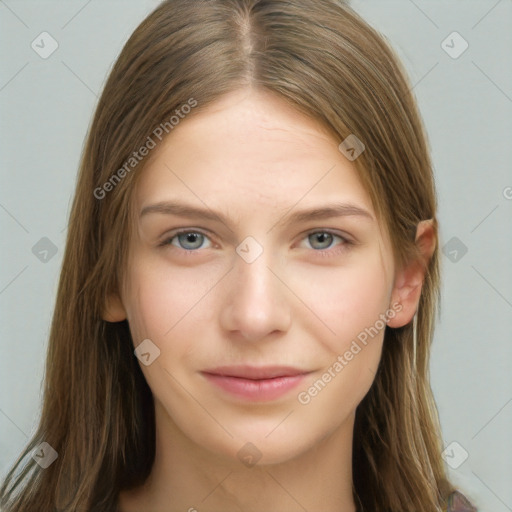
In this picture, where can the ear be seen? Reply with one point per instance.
(409, 280)
(113, 310)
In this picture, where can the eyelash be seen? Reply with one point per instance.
(346, 243)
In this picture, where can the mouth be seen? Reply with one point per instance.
(256, 384)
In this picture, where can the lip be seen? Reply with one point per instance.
(256, 384)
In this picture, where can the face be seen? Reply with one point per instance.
(260, 275)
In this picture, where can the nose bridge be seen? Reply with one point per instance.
(257, 303)
(252, 269)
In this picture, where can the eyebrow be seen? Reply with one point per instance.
(327, 211)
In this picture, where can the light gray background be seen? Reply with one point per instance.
(466, 102)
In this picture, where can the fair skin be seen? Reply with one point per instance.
(300, 304)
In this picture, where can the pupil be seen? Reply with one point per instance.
(323, 238)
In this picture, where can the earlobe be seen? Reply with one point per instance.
(114, 310)
(409, 280)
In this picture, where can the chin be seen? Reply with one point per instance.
(261, 443)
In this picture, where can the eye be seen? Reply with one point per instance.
(186, 240)
(322, 241)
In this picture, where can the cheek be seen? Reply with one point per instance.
(164, 300)
(354, 306)
(168, 304)
(164, 306)
(349, 299)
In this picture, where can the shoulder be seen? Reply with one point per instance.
(457, 502)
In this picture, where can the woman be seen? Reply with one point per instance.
(251, 277)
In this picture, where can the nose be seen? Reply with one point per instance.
(256, 301)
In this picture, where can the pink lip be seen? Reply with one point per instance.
(253, 383)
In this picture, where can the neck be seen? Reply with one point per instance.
(186, 477)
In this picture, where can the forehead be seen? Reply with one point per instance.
(250, 151)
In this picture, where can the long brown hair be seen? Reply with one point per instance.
(327, 62)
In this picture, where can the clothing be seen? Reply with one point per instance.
(457, 502)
